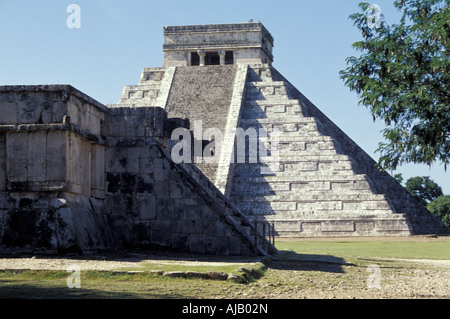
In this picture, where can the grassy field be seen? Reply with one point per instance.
(420, 248)
(324, 268)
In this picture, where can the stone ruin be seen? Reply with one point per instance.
(80, 176)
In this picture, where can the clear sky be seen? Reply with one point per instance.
(118, 38)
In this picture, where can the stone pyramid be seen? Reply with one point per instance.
(310, 181)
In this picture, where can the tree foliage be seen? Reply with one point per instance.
(402, 76)
(441, 208)
(423, 188)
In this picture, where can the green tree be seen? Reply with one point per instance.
(399, 177)
(441, 208)
(402, 76)
(423, 188)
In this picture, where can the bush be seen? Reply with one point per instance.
(441, 208)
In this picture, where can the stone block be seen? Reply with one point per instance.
(334, 165)
(365, 227)
(311, 228)
(391, 225)
(160, 237)
(116, 159)
(133, 159)
(59, 110)
(208, 214)
(115, 205)
(7, 97)
(145, 184)
(98, 167)
(301, 166)
(57, 144)
(159, 174)
(141, 232)
(283, 226)
(17, 156)
(197, 243)
(367, 205)
(147, 207)
(2, 163)
(213, 228)
(146, 165)
(73, 111)
(29, 108)
(192, 226)
(281, 206)
(217, 275)
(223, 246)
(196, 274)
(236, 246)
(85, 168)
(324, 205)
(94, 125)
(176, 189)
(311, 186)
(8, 111)
(180, 241)
(37, 156)
(174, 274)
(338, 226)
(177, 225)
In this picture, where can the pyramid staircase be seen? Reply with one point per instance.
(261, 239)
(313, 189)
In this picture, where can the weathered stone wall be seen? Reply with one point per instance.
(78, 177)
(51, 170)
(153, 202)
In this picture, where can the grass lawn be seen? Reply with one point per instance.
(404, 249)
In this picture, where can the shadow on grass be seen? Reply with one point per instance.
(30, 291)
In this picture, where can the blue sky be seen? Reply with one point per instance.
(118, 38)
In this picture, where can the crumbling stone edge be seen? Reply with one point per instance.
(243, 275)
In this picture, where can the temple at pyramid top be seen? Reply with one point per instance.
(217, 44)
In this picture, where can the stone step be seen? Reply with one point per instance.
(296, 137)
(264, 147)
(284, 129)
(311, 164)
(265, 103)
(265, 90)
(260, 84)
(308, 197)
(278, 120)
(333, 217)
(300, 178)
(308, 169)
(314, 215)
(147, 85)
(275, 109)
(324, 188)
(284, 150)
(304, 158)
(137, 103)
(273, 99)
(292, 209)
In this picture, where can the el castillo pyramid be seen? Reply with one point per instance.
(214, 152)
